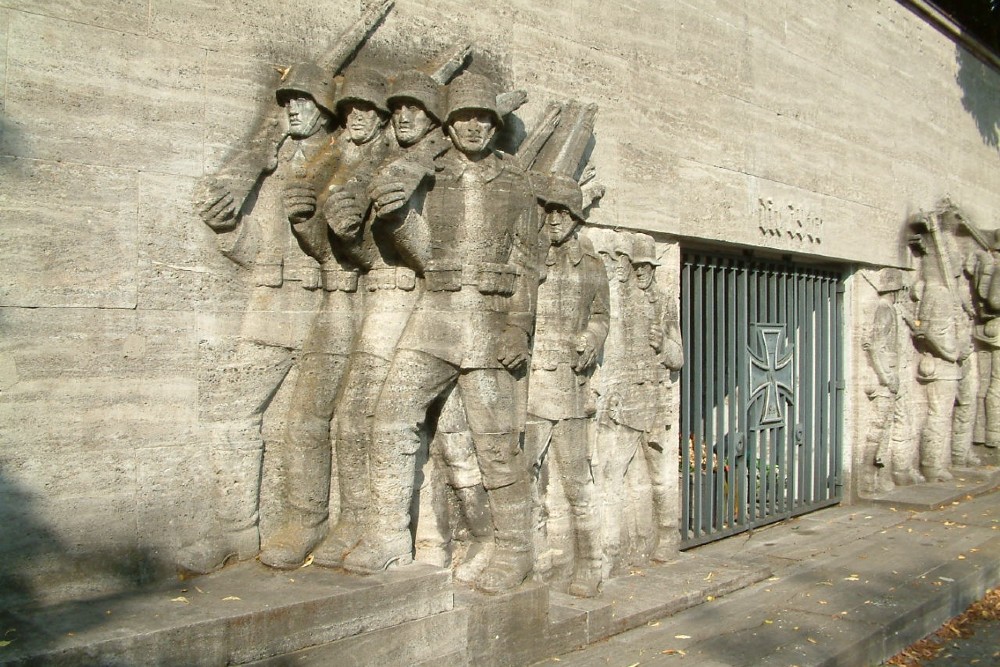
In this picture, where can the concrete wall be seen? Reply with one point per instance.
(805, 126)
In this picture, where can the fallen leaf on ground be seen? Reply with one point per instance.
(682, 636)
(181, 599)
(231, 597)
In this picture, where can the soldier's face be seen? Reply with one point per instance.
(361, 120)
(471, 131)
(644, 275)
(410, 122)
(303, 116)
(560, 224)
(623, 270)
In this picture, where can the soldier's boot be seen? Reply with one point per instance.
(667, 544)
(510, 563)
(234, 534)
(341, 539)
(475, 509)
(668, 537)
(387, 541)
(306, 495)
(352, 475)
(907, 477)
(587, 569)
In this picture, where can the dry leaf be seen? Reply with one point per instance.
(682, 636)
(231, 597)
(181, 599)
(5, 642)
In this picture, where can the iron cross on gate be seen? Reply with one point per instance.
(770, 375)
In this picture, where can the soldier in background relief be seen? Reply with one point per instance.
(890, 443)
(571, 326)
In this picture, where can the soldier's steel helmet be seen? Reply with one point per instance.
(890, 280)
(306, 78)
(561, 190)
(644, 250)
(623, 244)
(473, 91)
(415, 85)
(363, 85)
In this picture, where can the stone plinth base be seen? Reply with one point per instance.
(414, 615)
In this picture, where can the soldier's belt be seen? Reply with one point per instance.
(339, 280)
(488, 278)
(309, 276)
(389, 277)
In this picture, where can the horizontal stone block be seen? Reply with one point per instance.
(239, 615)
(67, 235)
(82, 94)
(124, 15)
(283, 34)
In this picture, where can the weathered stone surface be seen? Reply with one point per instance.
(233, 617)
(76, 250)
(131, 16)
(434, 640)
(504, 629)
(85, 97)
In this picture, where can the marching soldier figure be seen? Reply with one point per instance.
(470, 327)
(327, 223)
(244, 210)
(572, 323)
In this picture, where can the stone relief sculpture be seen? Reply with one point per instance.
(664, 352)
(953, 339)
(453, 309)
(572, 323)
(470, 327)
(242, 204)
(250, 230)
(890, 445)
(325, 208)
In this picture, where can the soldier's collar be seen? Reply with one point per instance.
(451, 164)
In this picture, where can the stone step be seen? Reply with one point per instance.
(243, 614)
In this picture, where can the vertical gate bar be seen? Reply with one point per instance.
(808, 378)
(707, 397)
(824, 386)
(742, 388)
(789, 463)
(774, 445)
(697, 431)
(805, 335)
(753, 464)
(731, 387)
(719, 448)
(838, 369)
(685, 398)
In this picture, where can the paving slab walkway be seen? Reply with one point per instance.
(851, 586)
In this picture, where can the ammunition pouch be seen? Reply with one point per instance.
(339, 280)
(488, 278)
(390, 277)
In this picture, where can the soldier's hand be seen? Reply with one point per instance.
(342, 211)
(389, 197)
(299, 199)
(215, 205)
(587, 354)
(513, 349)
(656, 338)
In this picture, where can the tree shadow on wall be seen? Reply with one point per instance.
(979, 97)
(46, 585)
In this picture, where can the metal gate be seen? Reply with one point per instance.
(761, 393)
